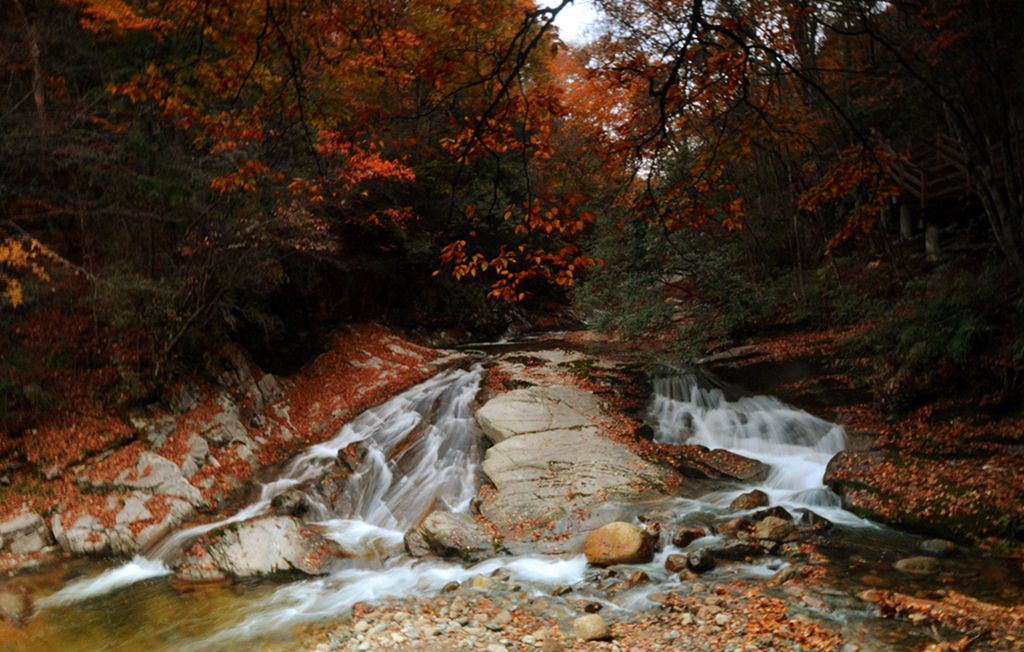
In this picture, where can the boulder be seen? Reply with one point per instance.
(675, 563)
(918, 565)
(537, 409)
(554, 487)
(736, 551)
(289, 503)
(778, 511)
(733, 526)
(591, 627)
(15, 606)
(750, 500)
(24, 533)
(85, 535)
(813, 521)
(127, 524)
(619, 543)
(773, 528)
(268, 545)
(455, 535)
(701, 560)
(197, 568)
(227, 428)
(155, 431)
(153, 474)
(695, 461)
(687, 535)
(416, 544)
(196, 456)
(937, 547)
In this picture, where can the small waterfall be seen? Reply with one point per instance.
(421, 449)
(796, 445)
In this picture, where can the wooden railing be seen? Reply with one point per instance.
(939, 172)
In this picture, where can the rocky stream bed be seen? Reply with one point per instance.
(539, 496)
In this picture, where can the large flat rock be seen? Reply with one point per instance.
(538, 409)
(556, 486)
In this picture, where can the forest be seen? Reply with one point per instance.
(187, 184)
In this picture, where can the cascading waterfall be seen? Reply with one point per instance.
(421, 449)
(796, 445)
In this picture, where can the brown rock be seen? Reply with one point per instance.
(700, 462)
(733, 526)
(773, 528)
(675, 563)
(778, 511)
(591, 628)
(618, 543)
(918, 565)
(750, 500)
(688, 535)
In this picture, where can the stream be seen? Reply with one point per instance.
(423, 448)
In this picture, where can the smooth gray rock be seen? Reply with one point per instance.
(456, 535)
(24, 533)
(566, 483)
(138, 524)
(15, 607)
(158, 475)
(269, 545)
(156, 431)
(226, 428)
(701, 560)
(197, 455)
(538, 409)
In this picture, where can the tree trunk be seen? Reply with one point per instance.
(38, 82)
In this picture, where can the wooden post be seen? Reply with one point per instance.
(931, 241)
(906, 222)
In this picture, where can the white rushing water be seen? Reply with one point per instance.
(796, 445)
(422, 449)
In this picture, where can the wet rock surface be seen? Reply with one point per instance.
(265, 546)
(770, 579)
(750, 500)
(697, 461)
(452, 535)
(554, 484)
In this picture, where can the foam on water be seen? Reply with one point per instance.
(313, 600)
(137, 570)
